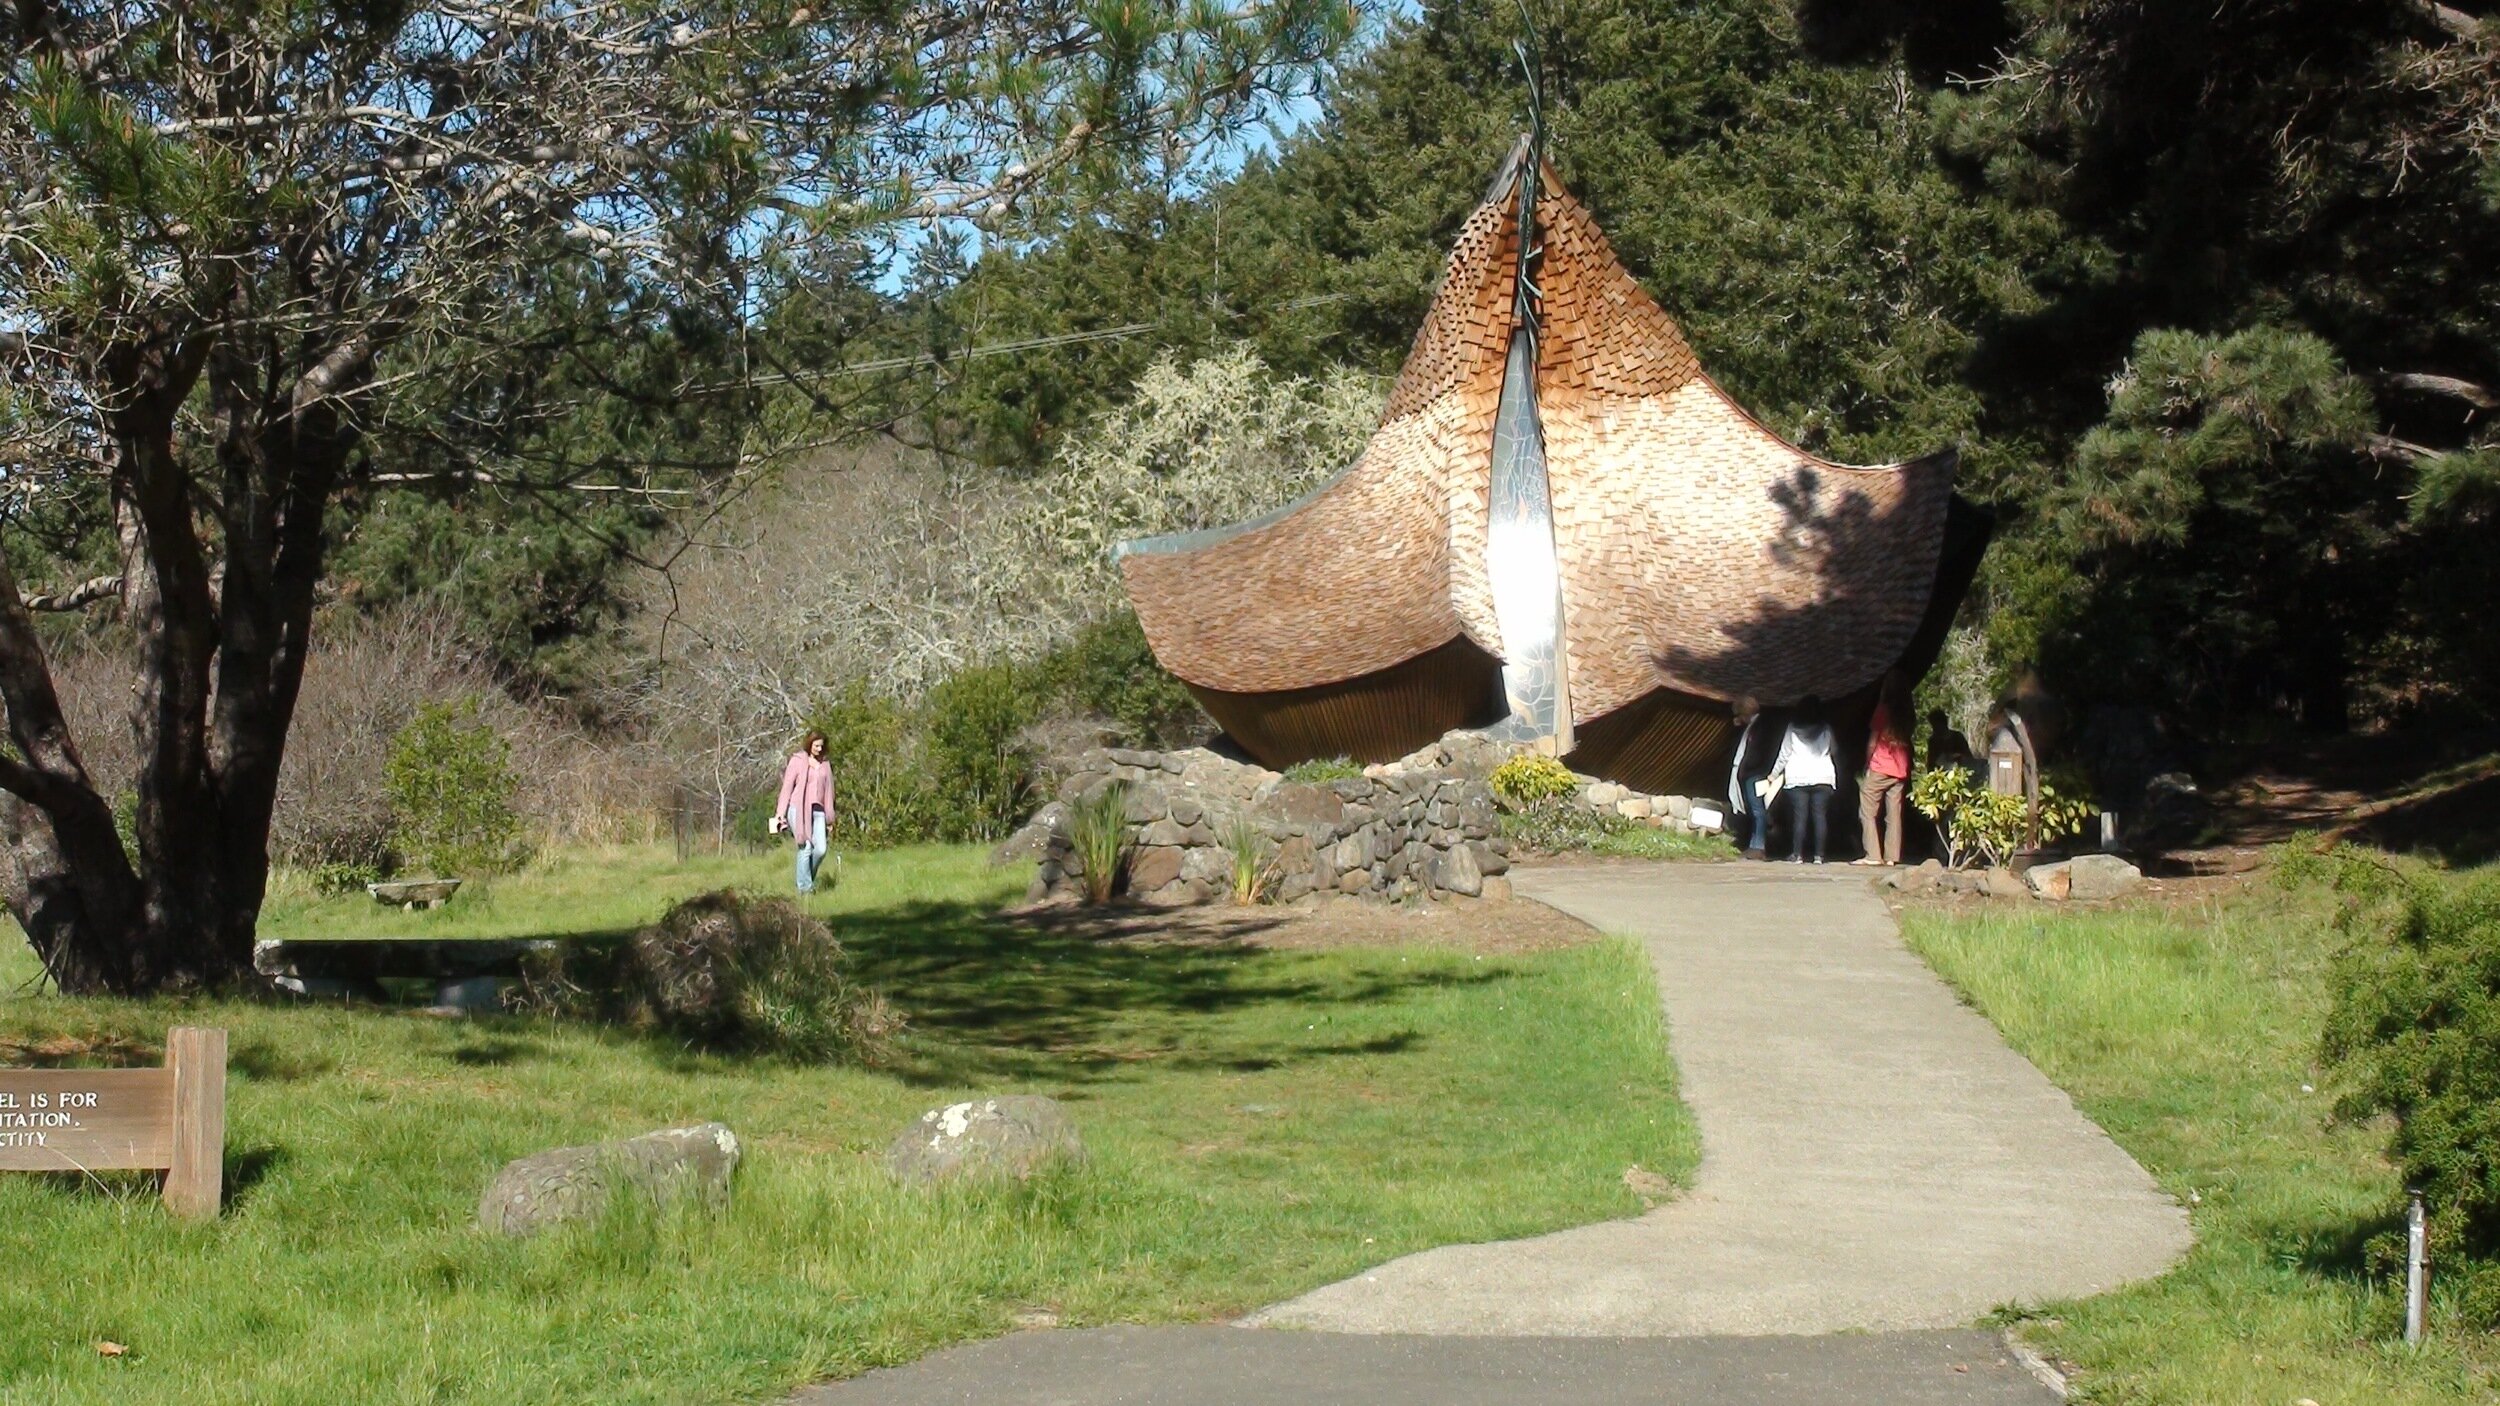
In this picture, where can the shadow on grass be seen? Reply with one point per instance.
(496, 1053)
(2354, 1250)
(247, 1169)
(1054, 999)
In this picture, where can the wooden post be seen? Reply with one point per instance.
(195, 1182)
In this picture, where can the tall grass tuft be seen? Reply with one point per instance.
(1253, 860)
(1098, 823)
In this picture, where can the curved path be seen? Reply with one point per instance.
(1874, 1155)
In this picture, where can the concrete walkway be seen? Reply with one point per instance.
(1874, 1155)
(1228, 1367)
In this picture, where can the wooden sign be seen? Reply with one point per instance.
(92, 1120)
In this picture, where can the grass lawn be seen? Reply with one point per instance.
(1260, 1121)
(2189, 1030)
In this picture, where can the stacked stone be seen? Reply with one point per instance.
(1659, 812)
(1393, 833)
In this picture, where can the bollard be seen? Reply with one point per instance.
(2417, 1268)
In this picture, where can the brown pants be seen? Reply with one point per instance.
(1874, 791)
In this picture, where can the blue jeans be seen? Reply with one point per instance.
(1760, 814)
(811, 850)
(1809, 808)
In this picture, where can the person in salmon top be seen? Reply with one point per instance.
(805, 807)
(1887, 773)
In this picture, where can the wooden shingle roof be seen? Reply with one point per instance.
(1696, 549)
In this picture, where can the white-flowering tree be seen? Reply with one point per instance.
(250, 249)
(890, 572)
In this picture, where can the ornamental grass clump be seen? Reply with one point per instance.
(1098, 825)
(726, 971)
(2414, 1033)
(1253, 859)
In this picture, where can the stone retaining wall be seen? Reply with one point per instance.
(1396, 833)
(1421, 826)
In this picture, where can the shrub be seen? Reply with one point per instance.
(1324, 769)
(752, 823)
(1980, 825)
(1528, 781)
(344, 876)
(1107, 669)
(730, 972)
(977, 773)
(450, 783)
(880, 794)
(2415, 1032)
(1098, 824)
(1552, 827)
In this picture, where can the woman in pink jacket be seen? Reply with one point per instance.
(805, 807)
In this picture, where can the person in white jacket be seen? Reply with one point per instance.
(1806, 772)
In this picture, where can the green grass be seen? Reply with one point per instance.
(2190, 1032)
(1259, 1122)
(1642, 842)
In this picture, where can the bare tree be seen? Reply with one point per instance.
(250, 246)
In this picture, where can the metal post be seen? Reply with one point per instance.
(2417, 1268)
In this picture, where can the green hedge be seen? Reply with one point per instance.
(2415, 1031)
(950, 765)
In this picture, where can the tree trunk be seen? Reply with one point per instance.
(184, 916)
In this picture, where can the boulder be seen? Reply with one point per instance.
(1602, 794)
(1169, 831)
(1926, 878)
(1491, 858)
(1311, 810)
(1033, 840)
(1208, 865)
(1147, 804)
(1013, 1136)
(1456, 871)
(2003, 883)
(1496, 890)
(577, 1183)
(1680, 808)
(1352, 853)
(1634, 807)
(1151, 867)
(1186, 810)
(2099, 876)
(1180, 893)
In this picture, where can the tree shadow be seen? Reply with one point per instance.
(495, 1053)
(1851, 587)
(1076, 997)
(2351, 1250)
(268, 1062)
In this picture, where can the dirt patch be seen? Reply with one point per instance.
(1460, 925)
(2403, 793)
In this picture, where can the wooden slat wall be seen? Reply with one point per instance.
(1664, 742)
(1376, 718)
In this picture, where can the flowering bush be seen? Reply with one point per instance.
(1980, 826)
(1528, 781)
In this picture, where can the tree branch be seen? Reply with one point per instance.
(2481, 397)
(2457, 22)
(2382, 446)
(78, 597)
